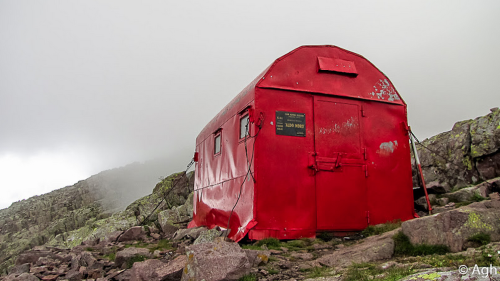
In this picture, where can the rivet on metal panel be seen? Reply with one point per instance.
(297, 83)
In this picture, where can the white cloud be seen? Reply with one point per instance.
(23, 177)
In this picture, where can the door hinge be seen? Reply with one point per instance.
(363, 112)
(364, 153)
(368, 217)
(365, 167)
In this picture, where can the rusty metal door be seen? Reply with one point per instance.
(339, 165)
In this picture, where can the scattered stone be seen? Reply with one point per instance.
(208, 236)
(123, 256)
(73, 275)
(218, 260)
(50, 277)
(135, 233)
(20, 269)
(302, 256)
(190, 233)
(25, 277)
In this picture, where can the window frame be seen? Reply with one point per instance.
(244, 115)
(218, 134)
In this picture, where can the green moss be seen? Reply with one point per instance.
(474, 221)
(467, 163)
(271, 243)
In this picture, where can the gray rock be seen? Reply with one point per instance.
(218, 260)
(422, 201)
(26, 277)
(470, 152)
(208, 236)
(302, 256)
(190, 233)
(257, 257)
(123, 256)
(438, 187)
(453, 228)
(73, 275)
(20, 269)
(136, 233)
(373, 248)
(156, 270)
(170, 220)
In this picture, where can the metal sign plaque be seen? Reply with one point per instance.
(290, 124)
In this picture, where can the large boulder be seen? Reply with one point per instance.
(373, 248)
(467, 154)
(218, 260)
(455, 227)
(155, 270)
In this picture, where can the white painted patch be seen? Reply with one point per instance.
(384, 91)
(387, 148)
(345, 127)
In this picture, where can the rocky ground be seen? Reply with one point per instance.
(72, 235)
(388, 252)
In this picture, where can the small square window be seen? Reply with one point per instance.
(244, 126)
(217, 143)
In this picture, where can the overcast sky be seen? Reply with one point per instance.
(91, 85)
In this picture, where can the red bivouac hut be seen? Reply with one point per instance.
(318, 142)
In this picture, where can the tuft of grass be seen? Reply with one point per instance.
(404, 247)
(318, 271)
(447, 260)
(381, 228)
(295, 245)
(110, 256)
(367, 271)
(248, 277)
(271, 243)
(251, 247)
(135, 259)
(477, 198)
(90, 249)
(163, 244)
(481, 238)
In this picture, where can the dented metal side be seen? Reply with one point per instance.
(331, 153)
